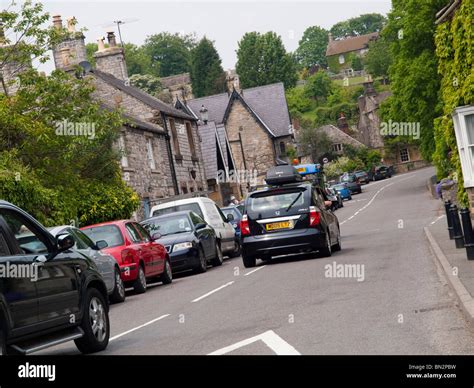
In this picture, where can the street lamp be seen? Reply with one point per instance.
(204, 114)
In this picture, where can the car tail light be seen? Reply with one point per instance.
(127, 256)
(314, 216)
(244, 226)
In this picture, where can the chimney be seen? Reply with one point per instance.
(342, 123)
(72, 50)
(111, 59)
(330, 37)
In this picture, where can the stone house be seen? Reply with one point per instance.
(339, 53)
(179, 86)
(257, 127)
(161, 145)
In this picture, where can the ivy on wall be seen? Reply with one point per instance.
(454, 49)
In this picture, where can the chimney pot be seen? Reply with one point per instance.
(100, 44)
(71, 24)
(65, 55)
(57, 22)
(111, 39)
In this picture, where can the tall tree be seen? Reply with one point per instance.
(363, 24)
(312, 47)
(207, 75)
(315, 143)
(146, 82)
(414, 79)
(262, 60)
(379, 58)
(139, 61)
(171, 53)
(319, 86)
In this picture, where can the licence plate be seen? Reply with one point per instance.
(279, 225)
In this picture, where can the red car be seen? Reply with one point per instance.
(140, 258)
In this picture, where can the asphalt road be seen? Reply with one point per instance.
(401, 304)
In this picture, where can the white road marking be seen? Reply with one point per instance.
(212, 292)
(435, 221)
(138, 327)
(270, 338)
(254, 270)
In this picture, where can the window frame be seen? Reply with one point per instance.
(465, 149)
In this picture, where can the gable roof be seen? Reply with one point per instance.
(141, 95)
(336, 134)
(267, 103)
(353, 43)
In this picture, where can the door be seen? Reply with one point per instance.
(142, 247)
(329, 217)
(157, 251)
(228, 237)
(205, 235)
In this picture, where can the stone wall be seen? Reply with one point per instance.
(256, 141)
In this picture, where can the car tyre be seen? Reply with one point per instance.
(326, 251)
(219, 259)
(167, 275)
(140, 283)
(118, 295)
(236, 251)
(249, 261)
(202, 266)
(95, 323)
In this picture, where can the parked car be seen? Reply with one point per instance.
(190, 242)
(207, 209)
(62, 296)
(380, 172)
(106, 264)
(343, 191)
(288, 217)
(362, 176)
(352, 182)
(335, 198)
(234, 216)
(139, 256)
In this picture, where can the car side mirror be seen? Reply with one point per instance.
(200, 226)
(328, 204)
(230, 217)
(101, 244)
(64, 242)
(155, 236)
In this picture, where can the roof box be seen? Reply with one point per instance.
(280, 175)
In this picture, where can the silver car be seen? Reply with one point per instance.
(106, 264)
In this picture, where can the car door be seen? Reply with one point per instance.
(206, 235)
(228, 234)
(156, 250)
(18, 295)
(144, 253)
(329, 217)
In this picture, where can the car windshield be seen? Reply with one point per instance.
(360, 173)
(177, 208)
(232, 211)
(339, 187)
(109, 233)
(168, 225)
(275, 201)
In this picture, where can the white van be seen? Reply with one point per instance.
(211, 213)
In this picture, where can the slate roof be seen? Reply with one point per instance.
(141, 95)
(210, 149)
(268, 103)
(336, 134)
(353, 43)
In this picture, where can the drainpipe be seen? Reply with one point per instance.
(170, 155)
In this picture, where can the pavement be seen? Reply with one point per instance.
(397, 302)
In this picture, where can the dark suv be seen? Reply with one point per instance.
(288, 217)
(49, 294)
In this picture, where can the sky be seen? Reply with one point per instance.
(224, 22)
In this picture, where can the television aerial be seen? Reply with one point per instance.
(118, 23)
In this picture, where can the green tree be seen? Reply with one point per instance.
(170, 54)
(147, 82)
(414, 79)
(312, 47)
(139, 62)
(379, 58)
(315, 143)
(361, 25)
(262, 60)
(207, 75)
(319, 86)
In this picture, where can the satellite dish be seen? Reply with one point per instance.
(86, 66)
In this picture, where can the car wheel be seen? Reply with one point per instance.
(118, 296)
(140, 283)
(167, 275)
(219, 256)
(95, 323)
(249, 261)
(236, 251)
(350, 197)
(202, 266)
(326, 250)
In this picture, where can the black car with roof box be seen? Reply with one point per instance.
(290, 216)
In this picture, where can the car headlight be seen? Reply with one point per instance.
(182, 246)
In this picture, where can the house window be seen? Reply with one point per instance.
(174, 135)
(463, 118)
(341, 59)
(123, 152)
(404, 155)
(189, 130)
(282, 148)
(149, 154)
(337, 147)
